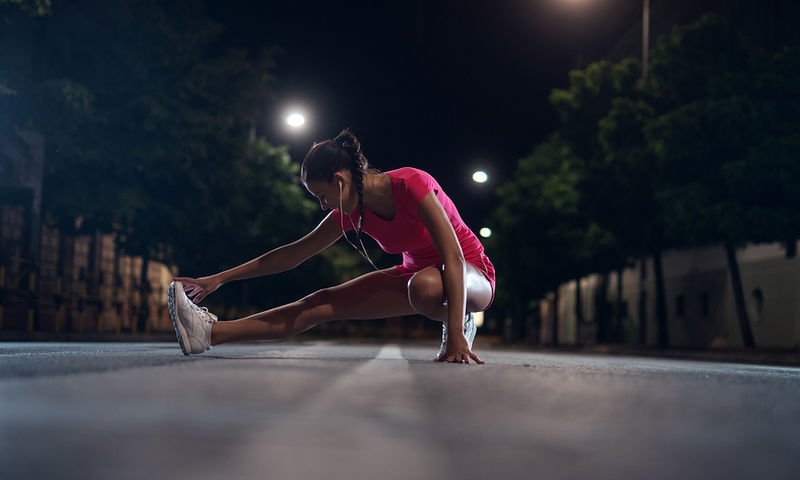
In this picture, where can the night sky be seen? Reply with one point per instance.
(446, 86)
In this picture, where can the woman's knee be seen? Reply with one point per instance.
(316, 299)
(426, 290)
(309, 311)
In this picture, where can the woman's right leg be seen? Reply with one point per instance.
(370, 296)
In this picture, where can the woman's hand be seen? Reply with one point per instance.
(198, 288)
(457, 351)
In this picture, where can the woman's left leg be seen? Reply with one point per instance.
(381, 294)
(426, 292)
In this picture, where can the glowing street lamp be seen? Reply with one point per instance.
(480, 177)
(295, 120)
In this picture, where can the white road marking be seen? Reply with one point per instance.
(390, 351)
(360, 426)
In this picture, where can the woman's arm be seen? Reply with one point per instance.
(277, 260)
(288, 256)
(447, 246)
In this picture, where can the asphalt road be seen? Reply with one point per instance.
(333, 410)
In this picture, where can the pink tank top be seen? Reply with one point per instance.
(407, 234)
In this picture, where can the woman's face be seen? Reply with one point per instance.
(327, 193)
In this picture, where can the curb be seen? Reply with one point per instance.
(12, 336)
(777, 357)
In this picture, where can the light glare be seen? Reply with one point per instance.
(480, 176)
(478, 317)
(486, 232)
(295, 120)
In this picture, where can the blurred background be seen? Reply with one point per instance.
(632, 166)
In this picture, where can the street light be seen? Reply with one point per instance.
(295, 120)
(480, 177)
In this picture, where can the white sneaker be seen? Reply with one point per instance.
(469, 333)
(192, 323)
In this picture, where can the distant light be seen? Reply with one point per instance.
(478, 317)
(295, 120)
(486, 232)
(480, 177)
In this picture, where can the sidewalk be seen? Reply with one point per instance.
(763, 356)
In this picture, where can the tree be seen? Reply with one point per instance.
(702, 152)
(32, 8)
(542, 238)
(631, 173)
(264, 207)
(146, 119)
(602, 114)
(724, 138)
(588, 99)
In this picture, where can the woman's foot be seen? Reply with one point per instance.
(192, 323)
(469, 333)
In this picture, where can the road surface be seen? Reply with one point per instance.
(332, 410)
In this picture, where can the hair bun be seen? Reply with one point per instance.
(325, 158)
(348, 141)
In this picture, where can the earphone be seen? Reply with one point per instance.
(364, 252)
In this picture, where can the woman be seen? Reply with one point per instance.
(444, 276)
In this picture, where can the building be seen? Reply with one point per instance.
(700, 305)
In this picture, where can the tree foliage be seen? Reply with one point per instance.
(30, 8)
(147, 122)
(703, 152)
(722, 134)
(540, 226)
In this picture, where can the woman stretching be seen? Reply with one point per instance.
(445, 274)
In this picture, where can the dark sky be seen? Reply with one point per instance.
(447, 86)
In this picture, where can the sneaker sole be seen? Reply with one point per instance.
(183, 339)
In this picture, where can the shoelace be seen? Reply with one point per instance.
(198, 308)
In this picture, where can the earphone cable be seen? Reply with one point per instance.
(361, 242)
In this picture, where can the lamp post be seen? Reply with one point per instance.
(645, 36)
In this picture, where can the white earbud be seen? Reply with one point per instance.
(364, 252)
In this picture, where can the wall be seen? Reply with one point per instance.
(699, 299)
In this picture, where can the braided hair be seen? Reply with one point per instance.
(331, 156)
